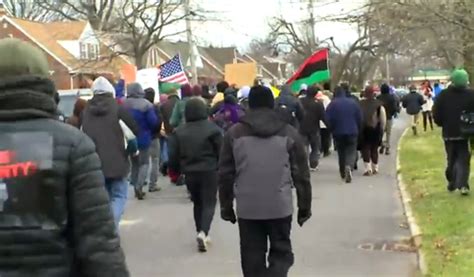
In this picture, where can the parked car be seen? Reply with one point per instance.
(69, 97)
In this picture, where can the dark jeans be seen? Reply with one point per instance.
(140, 167)
(459, 160)
(313, 141)
(325, 141)
(346, 151)
(427, 116)
(370, 153)
(254, 238)
(203, 189)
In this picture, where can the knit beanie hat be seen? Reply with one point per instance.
(261, 97)
(197, 90)
(102, 86)
(460, 78)
(18, 57)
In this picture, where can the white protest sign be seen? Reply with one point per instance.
(148, 78)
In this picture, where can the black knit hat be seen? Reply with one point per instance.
(261, 97)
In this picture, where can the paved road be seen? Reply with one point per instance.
(158, 234)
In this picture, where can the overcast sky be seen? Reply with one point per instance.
(239, 21)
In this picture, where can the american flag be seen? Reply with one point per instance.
(172, 72)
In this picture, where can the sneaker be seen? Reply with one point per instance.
(202, 242)
(154, 189)
(382, 149)
(348, 175)
(464, 191)
(314, 169)
(375, 169)
(387, 151)
(368, 173)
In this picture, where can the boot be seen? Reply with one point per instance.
(382, 149)
(415, 132)
(387, 151)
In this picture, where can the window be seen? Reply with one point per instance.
(89, 51)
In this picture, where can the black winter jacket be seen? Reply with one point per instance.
(166, 110)
(390, 104)
(100, 121)
(289, 108)
(314, 113)
(448, 107)
(195, 145)
(261, 159)
(412, 102)
(55, 218)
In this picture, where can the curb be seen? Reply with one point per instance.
(416, 234)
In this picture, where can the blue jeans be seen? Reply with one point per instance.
(164, 150)
(118, 193)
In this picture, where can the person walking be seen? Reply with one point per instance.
(145, 115)
(177, 116)
(155, 152)
(166, 110)
(310, 127)
(390, 105)
(229, 113)
(55, 217)
(447, 110)
(373, 113)
(261, 159)
(427, 106)
(289, 108)
(101, 122)
(326, 137)
(344, 117)
(413, 102)
(194, 151)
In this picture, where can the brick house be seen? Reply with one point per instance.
(74, 52)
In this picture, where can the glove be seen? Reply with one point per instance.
(227, 214)
(303, 216)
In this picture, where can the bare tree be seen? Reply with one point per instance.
(28, 10)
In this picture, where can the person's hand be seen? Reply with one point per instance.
(228, 214)
(303, 216)
(163, 133)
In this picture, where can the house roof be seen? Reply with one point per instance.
(221, 56)
(48, 35)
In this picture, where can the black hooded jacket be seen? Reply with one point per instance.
(262, 157)
(55, 218)
(314, 113)
(389, 101)
(195, 145)
(448, 107)
(100, 121)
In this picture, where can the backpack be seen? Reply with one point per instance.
(287, 112)
(467, 124)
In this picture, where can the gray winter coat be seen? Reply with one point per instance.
(261, 158)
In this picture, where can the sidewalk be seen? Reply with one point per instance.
(158, 233)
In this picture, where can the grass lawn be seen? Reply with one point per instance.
(446, 219)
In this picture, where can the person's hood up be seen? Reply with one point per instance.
(195, 110)
(263, 122)
(135, 90)
(100, 104)
(102, 86)
(384, 89)
(230, 99)
(286, 91)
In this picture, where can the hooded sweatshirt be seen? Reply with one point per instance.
(143, 112)
(195, 145)
(344, 115)
(389, 101)
(261, 159)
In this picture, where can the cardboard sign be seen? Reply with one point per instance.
(241, 74)
(148, 78)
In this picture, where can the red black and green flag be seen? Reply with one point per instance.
(314, 70)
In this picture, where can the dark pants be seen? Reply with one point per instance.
(459, 159)
(370, 153)
(313, 141)
(203, 189)
(427, 117)
(325, 141)
(371, 139)
(346, 151)
(254, 238)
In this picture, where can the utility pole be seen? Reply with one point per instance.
(192, 46)
(387, 64)
(312, 22)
